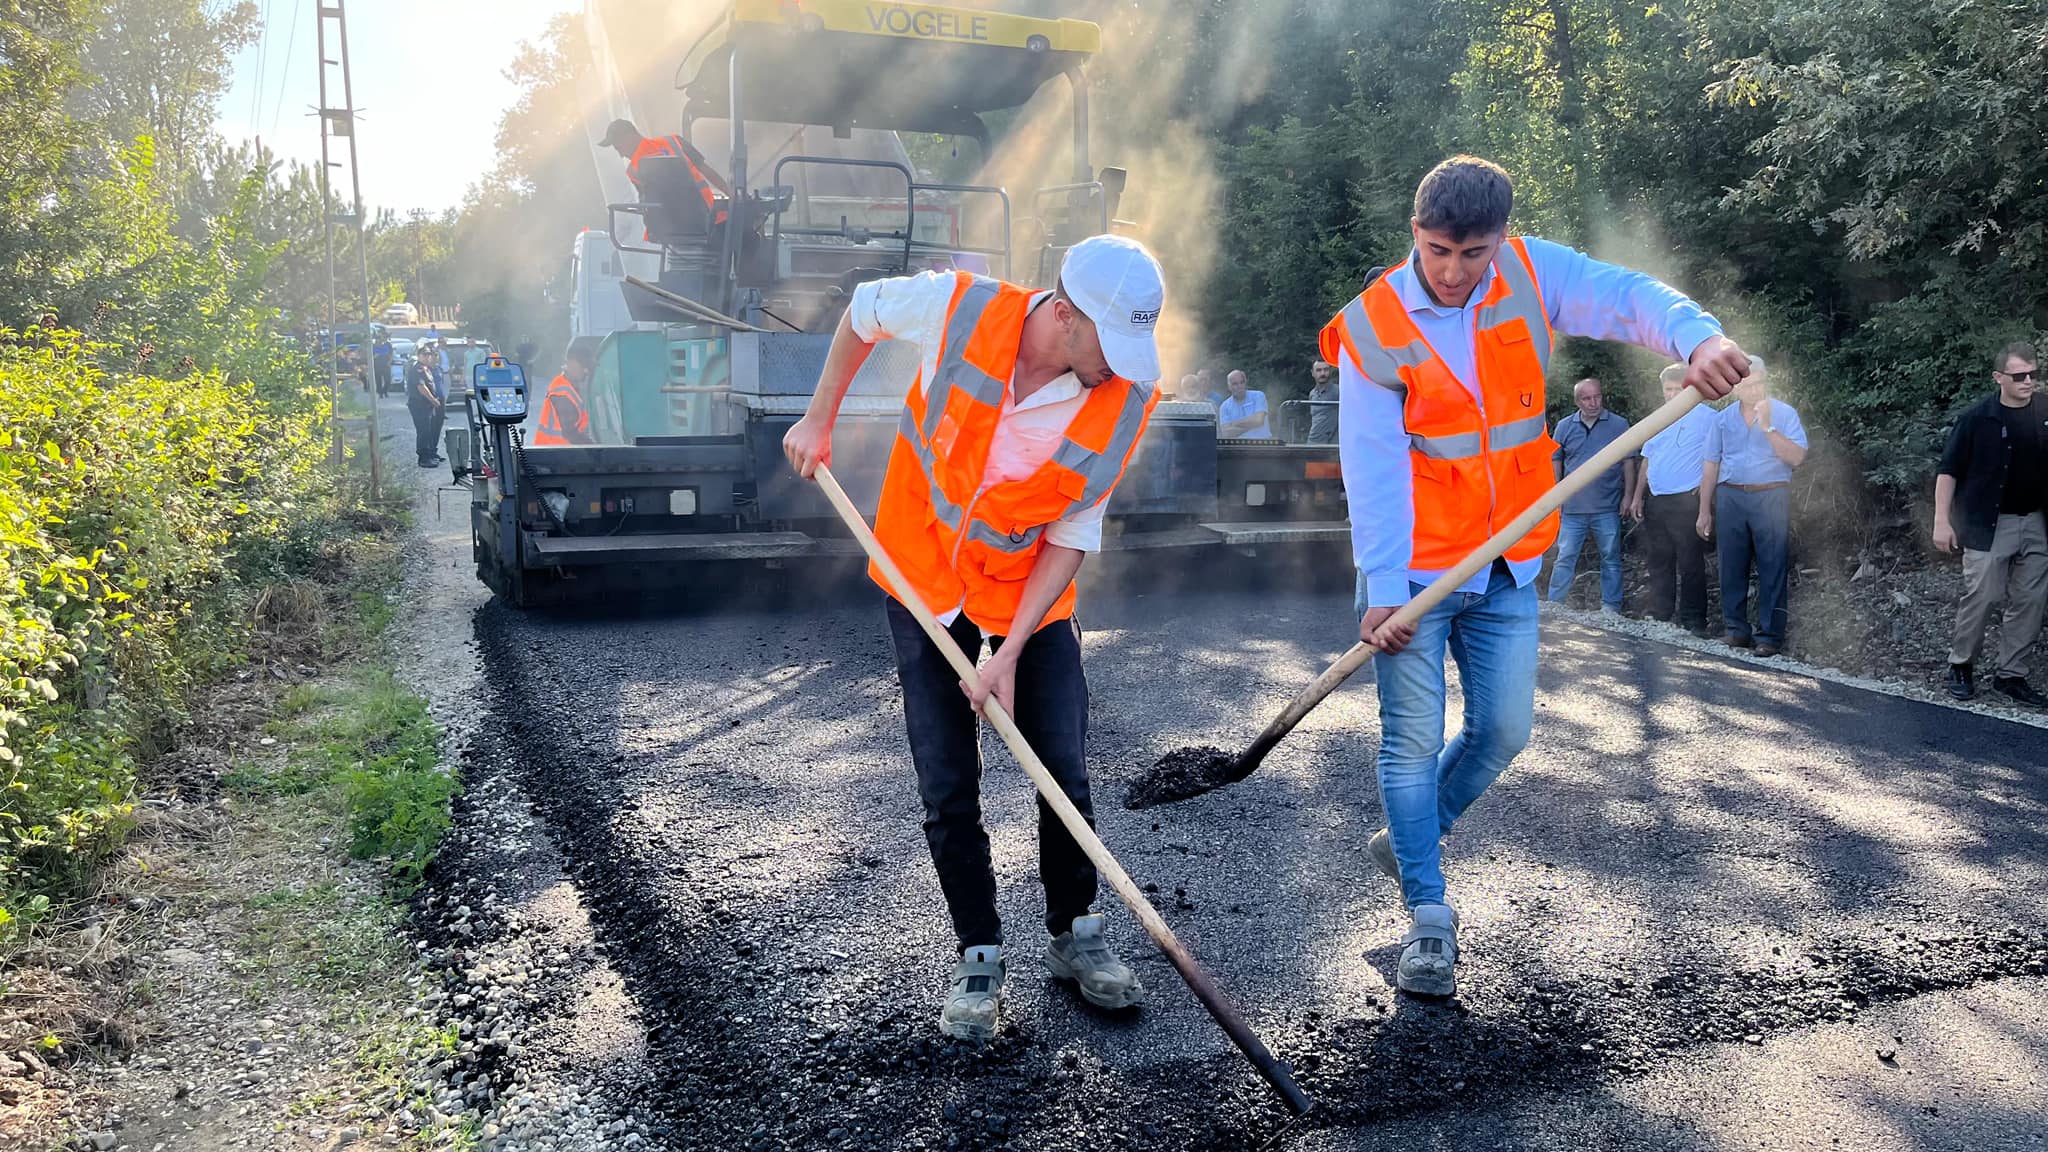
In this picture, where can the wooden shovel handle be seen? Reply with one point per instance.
(1625, 445)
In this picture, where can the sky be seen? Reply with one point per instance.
(429, 80)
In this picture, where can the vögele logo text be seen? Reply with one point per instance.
(927, 23)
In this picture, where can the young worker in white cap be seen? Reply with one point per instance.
(1025, 411)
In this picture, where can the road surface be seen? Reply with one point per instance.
(1713, 906)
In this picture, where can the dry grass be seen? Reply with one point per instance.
(295, 605)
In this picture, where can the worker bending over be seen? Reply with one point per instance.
(622, 137)
(563, 418)
(1441, 430)
(1024, 413)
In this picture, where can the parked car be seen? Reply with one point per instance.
(462, 354)
(402, 351)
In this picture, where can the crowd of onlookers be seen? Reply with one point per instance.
(1721, 479)
(1243, 413)
(1718, 484)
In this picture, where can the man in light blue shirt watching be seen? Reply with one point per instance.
(1670, 479)
(1242, 415)
(1459, 335)
(1596, 509)
(1746, 492)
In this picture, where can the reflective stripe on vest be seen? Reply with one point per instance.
(1380, 365)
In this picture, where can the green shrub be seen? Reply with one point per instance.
(124, 500)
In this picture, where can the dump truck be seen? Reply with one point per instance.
(804, 108)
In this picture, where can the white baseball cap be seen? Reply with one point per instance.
(1116, 283)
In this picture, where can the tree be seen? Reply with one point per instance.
(158, 68)
(39, 49)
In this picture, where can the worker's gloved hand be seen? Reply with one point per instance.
(1717, 366)
(808, 444)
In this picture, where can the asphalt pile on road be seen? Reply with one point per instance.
(1181, 774)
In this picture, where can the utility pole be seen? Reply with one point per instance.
(340, 123)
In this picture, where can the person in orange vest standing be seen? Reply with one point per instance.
(1024, 414)
(622, 137)
(1441, 432)
(563, 418)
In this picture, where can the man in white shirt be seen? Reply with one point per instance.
(1242, 415)
(1670, 479)
(1443, 440)
(1025, 412)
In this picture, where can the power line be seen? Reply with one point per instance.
(262, 50)
(284, 82)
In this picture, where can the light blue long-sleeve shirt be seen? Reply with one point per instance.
(1583, 296)
(1745, 454)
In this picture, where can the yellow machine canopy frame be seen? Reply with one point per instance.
(876, 64)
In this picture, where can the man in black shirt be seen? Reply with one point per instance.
(1997, 458)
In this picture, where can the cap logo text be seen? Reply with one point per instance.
(1145, 319)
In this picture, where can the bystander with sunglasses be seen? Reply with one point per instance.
(1996, 469)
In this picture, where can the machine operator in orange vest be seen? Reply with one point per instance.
(1025, 411)
(622, 137)
(563, 418)
(1441, 431)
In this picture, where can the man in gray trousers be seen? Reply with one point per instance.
(1997, 458)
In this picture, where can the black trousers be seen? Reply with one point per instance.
(1677, 558)
(945, 745)
(426, 426)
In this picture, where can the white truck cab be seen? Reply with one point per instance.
(597, 273)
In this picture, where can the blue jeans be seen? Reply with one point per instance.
(1571, 539)
(1426, 784)
(1754, 527)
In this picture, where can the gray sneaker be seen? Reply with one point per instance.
(1429, 952)
(1083, 956)
(1381, 849)
(977, 996)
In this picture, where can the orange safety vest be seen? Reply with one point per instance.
(1478, 462)
(562, 414)
(963, 546)
(676, 146)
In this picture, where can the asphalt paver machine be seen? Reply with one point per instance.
(802, 110)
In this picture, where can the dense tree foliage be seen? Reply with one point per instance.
(1857, 188)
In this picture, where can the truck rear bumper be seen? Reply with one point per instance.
(687, 547)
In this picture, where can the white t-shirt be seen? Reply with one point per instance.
(913, 309)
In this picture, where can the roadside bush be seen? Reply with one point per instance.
(124, 500)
